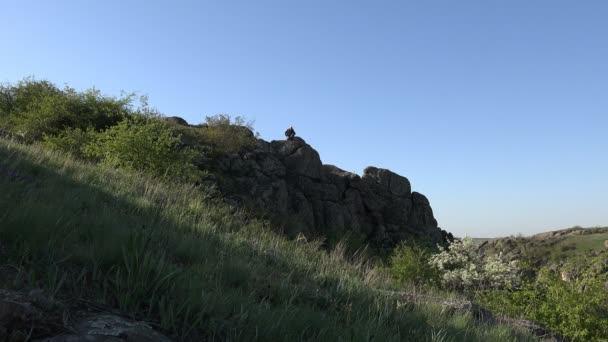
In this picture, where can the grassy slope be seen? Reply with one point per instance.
(581, 243)
(166, 252)
(555, 245)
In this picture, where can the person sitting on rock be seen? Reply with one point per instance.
(290, 133)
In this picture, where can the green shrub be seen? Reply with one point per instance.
(35, 107)
(72, 141)
(409, 263)
(228, 135)
(219, 135)
(560, 306)
(32, 109)
(144, 144)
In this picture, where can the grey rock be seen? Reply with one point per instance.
(285, 148)
(334, 216)
(422, 213)
(272, 166)
(340, 178)
(392, 182)
(119, 328)
(304, 216)
(35, 314)
(304, 161)
(177, 120)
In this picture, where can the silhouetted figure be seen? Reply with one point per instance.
(290, 133)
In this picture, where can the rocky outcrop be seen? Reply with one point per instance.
(288, 180)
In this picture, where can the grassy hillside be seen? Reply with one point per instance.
(550, 247)
(167, 252)
(579, 244)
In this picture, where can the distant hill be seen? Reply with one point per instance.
(549, 246)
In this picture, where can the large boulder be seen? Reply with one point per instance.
(176, 120)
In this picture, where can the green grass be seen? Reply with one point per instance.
(167, 252)
(550, 247)
(581, 243)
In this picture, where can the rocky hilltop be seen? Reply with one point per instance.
(287, 179)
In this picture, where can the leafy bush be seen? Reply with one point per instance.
(228, 135)
(144, 144)
(461, 267)
(32, 109)
(72, 141)
(558, 305)
(409, 263)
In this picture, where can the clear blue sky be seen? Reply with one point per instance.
(496, 110)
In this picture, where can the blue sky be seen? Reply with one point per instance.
(496, 110)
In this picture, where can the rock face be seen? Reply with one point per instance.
(288, 180)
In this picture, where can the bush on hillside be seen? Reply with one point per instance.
(228, 135)
(409, 263)
(32, 109)
(461, 267)
(72, 141)
(144, 144)
(560, 306)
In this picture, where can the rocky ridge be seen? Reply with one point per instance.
(287, 180)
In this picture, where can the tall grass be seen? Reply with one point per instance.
(168, 253)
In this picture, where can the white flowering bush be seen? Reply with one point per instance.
(461, 267)
(499, 273)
